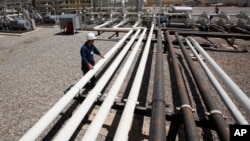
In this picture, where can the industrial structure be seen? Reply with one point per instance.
(139, 20)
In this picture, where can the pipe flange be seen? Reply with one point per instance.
(213, 112)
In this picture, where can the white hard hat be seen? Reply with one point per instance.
(91, 36)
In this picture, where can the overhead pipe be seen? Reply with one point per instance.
(47, 119)
(96, 124)
(229, 83)
(81, 112)
(128, 112)
(186, 108)
(214, 114)
(158, 122)
(224, 96)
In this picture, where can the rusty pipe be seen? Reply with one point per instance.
(215, 115)
(186, 109)
(158, 121)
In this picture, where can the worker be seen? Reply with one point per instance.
(216, 10)
(87, 52)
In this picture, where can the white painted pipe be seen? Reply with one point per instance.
(224, 96)
(121, 29)
(236, 91)
(102, 25)
(96, 125)
(120, 24)
(44, 122)
(128, 112)
(80, 113)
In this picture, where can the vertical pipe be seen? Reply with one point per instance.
(101, 115)
(127, 115)
(226, 99)
(187, 114)
(236, 91)
(158, 121)
(215, 116)
(44, 122)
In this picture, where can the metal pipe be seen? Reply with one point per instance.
(236, 91)
(215, 115)
(44, 122)
(224, 96)
(158, 121)
(239, 30)
(97, 122)
(75, 120)
(102, 25)
(128, 112)
(121, 23)
(121, 29)
(186, 109)
(212, 34)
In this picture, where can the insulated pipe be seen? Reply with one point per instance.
(224, 96)
(236, 91)
(128, 112)
(215, 115)
(44, 122)
(100, 117)
(157, 130)
(186, 109)
(76, 119)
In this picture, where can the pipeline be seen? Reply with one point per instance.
(212, 34)
(217, 28)
(121, 29)
(96, 124)
(81, 112)
(224, 96)
(238, 29)
(236, 91)
(128, 112)
(158, 121)
(215, 115)
(186, 109)
(47, 119)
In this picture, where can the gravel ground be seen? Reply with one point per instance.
(37, 67)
